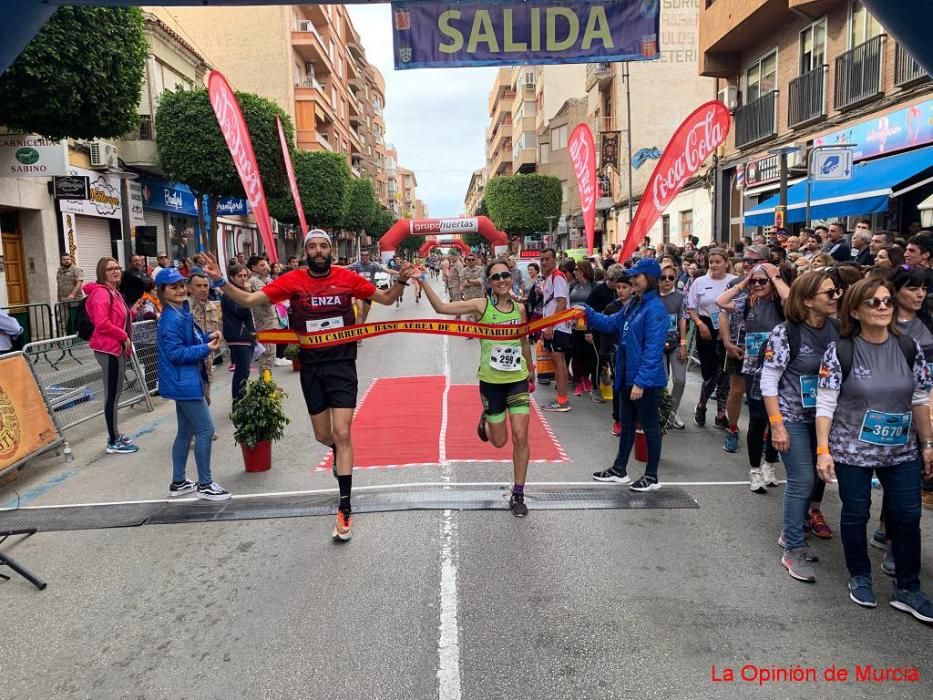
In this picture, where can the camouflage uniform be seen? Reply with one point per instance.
(470, 274)
(454, 287)
(265, 319)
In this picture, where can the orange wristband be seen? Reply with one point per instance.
(776, 418)
(820, 450)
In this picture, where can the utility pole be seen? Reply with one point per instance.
(626, 76)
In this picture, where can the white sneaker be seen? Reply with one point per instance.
(757, 481)
(282, 362)
(767, 473)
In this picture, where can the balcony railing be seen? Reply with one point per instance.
(307, 26)
(309, 82)
(597, 72)
(807, 101)
(906, 68)
(859, 73)
(757, 120)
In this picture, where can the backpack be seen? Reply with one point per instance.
(845, 348)
(83, 325)
(793, 341)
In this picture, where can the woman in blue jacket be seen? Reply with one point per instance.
(182, 347)
(640, 374)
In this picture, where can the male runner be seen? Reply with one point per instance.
(367, 268)
(321, 298)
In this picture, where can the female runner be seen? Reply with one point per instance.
(505, 371)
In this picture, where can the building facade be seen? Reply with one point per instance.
(798, 74)
(475, 191)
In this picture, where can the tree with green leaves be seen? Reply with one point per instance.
(382, 222)
(323, 181)
(360, 207)
(521, 204)
(191, 148)
(79, 77)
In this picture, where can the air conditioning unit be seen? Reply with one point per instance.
(729, 97)
(103, 155)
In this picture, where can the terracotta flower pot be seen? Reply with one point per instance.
(259, 458)
(641, 447)
(296, 364)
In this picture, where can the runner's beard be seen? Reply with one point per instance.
(319, 267)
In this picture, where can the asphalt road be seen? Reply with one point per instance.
(437, 604)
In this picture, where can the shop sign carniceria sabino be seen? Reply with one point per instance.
(30, 155)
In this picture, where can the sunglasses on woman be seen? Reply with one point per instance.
(499, 276)
(833, 293)
(758, 281)
(667, 278)
(875, 302)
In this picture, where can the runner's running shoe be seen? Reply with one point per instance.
(212, 492)
(808, 551)
(795, 561)
(616, 429)
(879, 540)
(767, 471)
(699, 415)
(646, 483)
(861, 592)
(914, 602)
(612, 475)
(517, 505)
(731, 443)
(125, 439)
(721, 422)
(556, 405)
(179, 488)
(342, 529)
(818, 525)
(120, 448)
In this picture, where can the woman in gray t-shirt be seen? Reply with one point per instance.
(871, 407)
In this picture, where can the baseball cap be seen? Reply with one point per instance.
(646, 266)
(169, 275)
(316, 233)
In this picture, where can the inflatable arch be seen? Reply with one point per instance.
(431, 243)
(442, 227)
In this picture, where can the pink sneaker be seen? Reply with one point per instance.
(578, 391)
(587, 385)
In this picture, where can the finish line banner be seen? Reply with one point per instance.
(465, 329)
(430, 34)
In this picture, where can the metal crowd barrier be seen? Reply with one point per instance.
(144, 343)
(65, 317)
(36, 320)
(72, 382)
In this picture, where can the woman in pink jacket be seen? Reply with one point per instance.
(112, 343)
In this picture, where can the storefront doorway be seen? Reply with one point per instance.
(13, 261)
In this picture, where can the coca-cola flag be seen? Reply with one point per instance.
(695, 140)
(286, 156)
(582, 149)
(233, 127)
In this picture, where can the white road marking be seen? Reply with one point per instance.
(448, 640)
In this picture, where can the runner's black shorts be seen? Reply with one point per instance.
(498, 398)
(561, 342)
(329, 385)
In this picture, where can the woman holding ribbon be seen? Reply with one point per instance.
(640, 373)
(505, 373)
(872, 410)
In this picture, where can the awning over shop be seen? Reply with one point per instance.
(872, 185)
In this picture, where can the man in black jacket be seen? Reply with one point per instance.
(135, 281)
(839, 250)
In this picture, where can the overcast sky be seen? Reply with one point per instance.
(435, 117)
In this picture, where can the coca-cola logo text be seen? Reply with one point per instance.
(701, 140)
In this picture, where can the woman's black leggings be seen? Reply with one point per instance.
(759, 434)
(712, 356)
(242, 357)
(113, 371)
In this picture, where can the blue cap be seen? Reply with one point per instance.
(645, 266)
(169, 276)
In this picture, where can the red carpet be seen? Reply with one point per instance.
(463, 445)
(398, 423)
